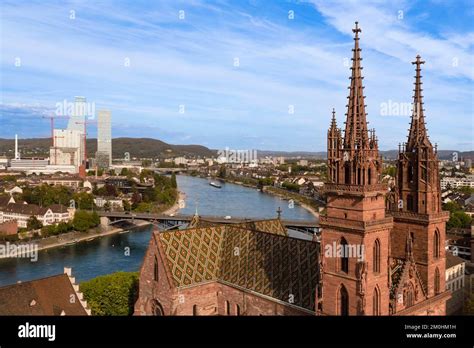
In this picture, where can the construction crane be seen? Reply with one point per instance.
(52, 117)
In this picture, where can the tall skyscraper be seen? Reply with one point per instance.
(78, 116)
(104, 139)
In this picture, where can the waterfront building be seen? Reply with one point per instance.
(104, 139)
(21, 213)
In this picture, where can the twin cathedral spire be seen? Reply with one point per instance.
(353, 155)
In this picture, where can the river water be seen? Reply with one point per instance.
(124, 252)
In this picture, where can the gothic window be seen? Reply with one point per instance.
(437, 281)
(237, 309)
(376, 301)
(369, 176)
(408, 297)
(344, 259)
(155, 270)
(195, 310)
(343, 301)
(347, 174)
(157, 309)
(436, 244)
(227, 307)
(376, 256)
(410, 173)
(410, 202)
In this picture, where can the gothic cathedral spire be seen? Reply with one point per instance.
(354, 160)
(417, 133)
(417, 174)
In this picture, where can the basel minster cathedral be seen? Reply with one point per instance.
(256, 268)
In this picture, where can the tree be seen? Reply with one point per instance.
(469, 305)
(464, 219)
(126, 205)
(113, 294)
(290, 186)
(390, 170)
(174, 183)
(33, 223)
(451, 207)
(84, 200)
(107, 206)
(466, 190)
(222, 171)
(83, 220)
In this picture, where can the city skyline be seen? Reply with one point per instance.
(262, 76)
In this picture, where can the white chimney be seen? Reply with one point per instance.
(17, 155)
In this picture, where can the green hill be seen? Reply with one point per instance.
(137, 147)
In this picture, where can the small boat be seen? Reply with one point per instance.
(213, 184)
(90, 239)
(124, 231)
(71, 243)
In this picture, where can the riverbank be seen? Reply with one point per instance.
(294, 196)
(76, 237)
(177, 204)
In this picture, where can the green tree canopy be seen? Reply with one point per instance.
(113, 294)
(33, 223)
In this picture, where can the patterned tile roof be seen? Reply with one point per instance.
(270, 225)
(270, 264)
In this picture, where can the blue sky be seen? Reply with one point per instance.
(285, 64)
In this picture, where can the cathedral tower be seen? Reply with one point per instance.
(417, 213)
(355, 231)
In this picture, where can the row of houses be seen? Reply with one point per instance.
(21, 212)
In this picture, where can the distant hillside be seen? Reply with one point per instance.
(137, 147)
(389, 154)
(302, 154)
(153, 148)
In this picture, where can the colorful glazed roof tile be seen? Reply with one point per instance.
(238, 255)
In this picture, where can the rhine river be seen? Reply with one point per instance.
(109, 254)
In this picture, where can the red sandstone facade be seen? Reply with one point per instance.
(402, 271)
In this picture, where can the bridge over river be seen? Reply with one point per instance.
(179, 219)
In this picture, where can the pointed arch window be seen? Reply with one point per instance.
(436, 244)
(347, 174)
(409, 297)
(376, 256)
(410, 205)
(376, 301)
(344, 259)
(343, 297)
